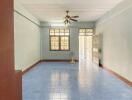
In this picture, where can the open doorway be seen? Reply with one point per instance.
(85, 44)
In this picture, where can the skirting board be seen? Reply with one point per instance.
(57, 60)
(117, 75)
(31, 67)
(51, 60)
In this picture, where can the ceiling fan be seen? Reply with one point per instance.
(69, 18)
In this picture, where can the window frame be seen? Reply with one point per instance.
(85, 32)
(59, 40)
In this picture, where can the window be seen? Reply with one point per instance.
(85, 31)
(59, 39)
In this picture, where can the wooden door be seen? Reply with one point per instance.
(8, 84)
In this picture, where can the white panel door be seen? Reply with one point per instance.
(81, 47)
(88, 47)
(85, 47)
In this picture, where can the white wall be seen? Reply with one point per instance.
(46, 54)
(27, 38)
(116, 27)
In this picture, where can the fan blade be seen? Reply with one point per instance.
(73, 20)
(65, 21)
(74, 16)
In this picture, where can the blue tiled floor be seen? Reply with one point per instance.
(80, 81)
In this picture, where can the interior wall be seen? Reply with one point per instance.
(115, 28)
(46, 54)
(27, 38)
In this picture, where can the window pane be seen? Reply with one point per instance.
(64, 43)
(52, 34)
(56, 31)
(82, 31)
(66, 30)
(62, 31)
(51, 30)
(89, 30)
(86, 32)
(89, 33)
(66, 33)
(54, 43)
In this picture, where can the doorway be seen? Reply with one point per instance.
(85, 44)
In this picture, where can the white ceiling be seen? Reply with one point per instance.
(54, 10)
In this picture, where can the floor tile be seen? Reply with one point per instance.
(80, 81)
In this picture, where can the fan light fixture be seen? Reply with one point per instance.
(69, 19)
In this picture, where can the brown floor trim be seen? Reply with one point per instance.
(117, 75)
(58, 60)
(51, 60)
(25, 71)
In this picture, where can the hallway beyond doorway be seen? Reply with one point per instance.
(80, 81)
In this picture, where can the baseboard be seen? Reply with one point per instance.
(117, 75)
(46, 60)
(26, 70)
(57, 60)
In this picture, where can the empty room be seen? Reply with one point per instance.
(65, 50)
